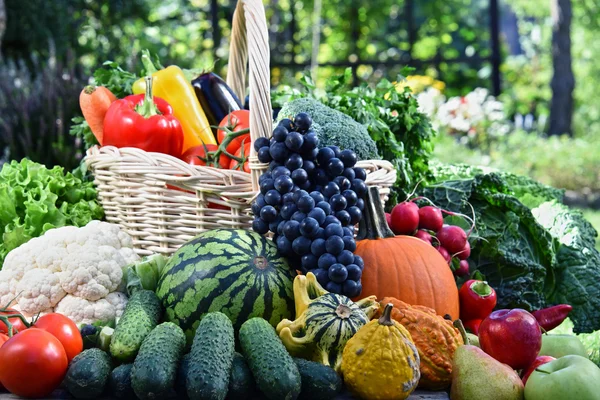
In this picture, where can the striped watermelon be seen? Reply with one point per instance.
(236, 272)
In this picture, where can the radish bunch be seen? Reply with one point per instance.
(427, 224)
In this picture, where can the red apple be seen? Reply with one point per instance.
(512, 337)
(536, 363)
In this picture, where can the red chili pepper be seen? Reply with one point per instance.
(477, 300)
(551, 317)
(473, 325)
(144, 122)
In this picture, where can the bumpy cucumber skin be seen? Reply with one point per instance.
(319, 382)
(88, 374)
(155, 367)
(274, 370)
(182, 372)
(119, 383)
(241, 382)
(141, 315)
(210, 358)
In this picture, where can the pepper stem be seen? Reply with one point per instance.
(147, 108)
(386, 316)
(147, 63)
(481, 288)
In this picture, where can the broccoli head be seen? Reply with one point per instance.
(333, 127)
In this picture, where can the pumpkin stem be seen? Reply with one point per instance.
(343, 311)
(461, 328)
(373, 225)
(386, 316)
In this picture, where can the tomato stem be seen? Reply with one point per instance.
(9, 325)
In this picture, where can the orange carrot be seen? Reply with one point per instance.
(94, 102)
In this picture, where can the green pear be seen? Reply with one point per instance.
(477, 376)
(473, 339)
(558, 346)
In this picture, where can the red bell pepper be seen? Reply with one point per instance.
(144, 122)
(473, 325)
(477, 300)
(551, 317)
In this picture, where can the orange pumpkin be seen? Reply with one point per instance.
(403, 267)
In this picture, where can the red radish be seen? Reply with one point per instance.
(388, 219)
(424, 236)
(445, 254)
(405, 218)
(463, 268)
(430, 218)
(452, 237)
(464, 253)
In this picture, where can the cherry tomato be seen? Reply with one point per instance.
(17, 323)
(65, 330)
(197, 155)
(234, 164)
(235, 122)
(32, 363)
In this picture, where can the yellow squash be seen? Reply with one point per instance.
(381, 361)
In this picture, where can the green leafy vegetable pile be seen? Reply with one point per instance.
(533, 257)
(34, 199)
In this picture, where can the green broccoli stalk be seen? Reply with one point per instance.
(333, 127)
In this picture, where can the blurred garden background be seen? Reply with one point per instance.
(510, 84)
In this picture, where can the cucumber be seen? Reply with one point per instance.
(182, 372)
(319, 382)
(88, 374)
(241, 382)
(119, 383)
(210, 358)
(141, 315)
(274, 370)
(155, 367)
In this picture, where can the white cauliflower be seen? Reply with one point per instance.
(74, 271)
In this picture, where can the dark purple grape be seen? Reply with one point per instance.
(280, 227)
(338, 202)
(359, 261)
(309, 227)
(311, 141)
(299, 194)
(291, 229)
(260, 142)
(280, 171)
(266, 185)
(321, 177)
(349, 174)
(351, 197)
(298, 216)
(360, 173)
(333, 230)
(348, 157)
(312, 155)
(279, 152)
(309, 167)
(268, 213)
(343, 183)
(258, 204)
(287, 123)
(264, 155)
(294, 162)
(309, 261)
(299, 176)
(338, 273)
(294, 141)
(273, 165)
(331, 189)
(284, 245)
(280, 133)
(331, 219)
(354, 272)
(344, 217)
(355, 214)
(274, 225)
(360, 203)
(349, 243)
(345, 257)
(301, 245)
(273, 197)
(305, 185)
(321, 234)
(318, 214)
(288, 197)
(322, 276)
(323, 205)
(351, 288)
(335, 167)
(348, 231)
(336, 151)
(326, 260)
(305, 204)
(333, 287)
(302, 122)
(317, 196)
(266, 175)
(360, 187)
(334, 245)
(283, 184)
(324, 155)
(317, 247)
(288, 210)
(260, 226)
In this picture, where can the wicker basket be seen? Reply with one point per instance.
(161, 201)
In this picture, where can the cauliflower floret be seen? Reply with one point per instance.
(83, 311)
(9, 280)
(118, 300)
(39, 290)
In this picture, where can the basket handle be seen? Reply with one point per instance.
(250, 45)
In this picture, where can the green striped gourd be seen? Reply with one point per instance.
(236, 272)
(324, 322)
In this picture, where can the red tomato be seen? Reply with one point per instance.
(197, 155)
(235, 122)
(3, 339)
(65, 330)
(234, 164)
(16, 322)
(32, 363)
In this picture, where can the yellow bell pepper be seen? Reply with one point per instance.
(171, 85)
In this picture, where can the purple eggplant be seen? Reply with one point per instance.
(216, 98)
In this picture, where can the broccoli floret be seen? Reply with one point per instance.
(333, 127)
